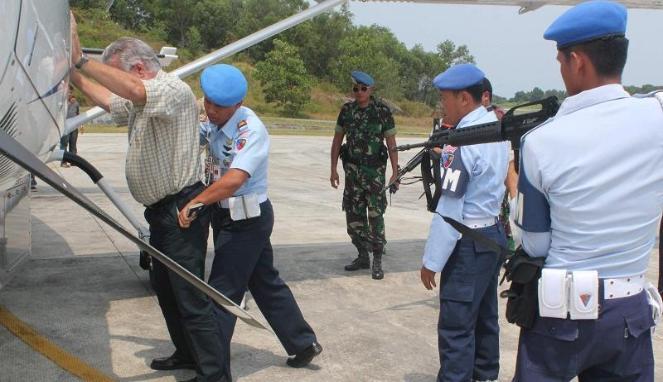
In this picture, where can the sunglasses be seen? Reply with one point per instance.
(356, 89)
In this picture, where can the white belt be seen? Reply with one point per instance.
(623, 287)
(480, 223)
(261, 199)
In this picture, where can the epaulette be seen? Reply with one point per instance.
(658, 94)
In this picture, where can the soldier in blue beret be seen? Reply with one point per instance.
(367, 124)
(589, 203)
(472, 192)
(242, 215)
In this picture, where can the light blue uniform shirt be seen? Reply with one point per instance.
(472, 188)
(591, 184)
(242, 143)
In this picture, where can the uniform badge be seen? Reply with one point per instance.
(241, 124)
(240, 143)
(448, 156)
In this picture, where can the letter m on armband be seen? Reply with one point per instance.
(453, 174)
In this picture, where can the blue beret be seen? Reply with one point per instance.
(459, 77)
(362, 78)
(586, 22)
(223, 84)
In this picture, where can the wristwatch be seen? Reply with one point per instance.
(82, 61)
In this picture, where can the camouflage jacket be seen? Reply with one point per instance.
(365, 129)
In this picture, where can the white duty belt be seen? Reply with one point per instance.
(480, 223)
(565, 293)
(623, 287)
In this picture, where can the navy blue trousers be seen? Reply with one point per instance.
(617, 347)
(468, 331)
(243, 258)
(660, 260)
(189, 313)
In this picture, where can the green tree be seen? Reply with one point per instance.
(214, 18)
(87, 4)
(132, 14)
(367, 49)
(284, 78)
(450, 55)
(318, 40)
(253, 15)
(536, 94)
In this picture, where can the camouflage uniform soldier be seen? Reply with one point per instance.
(367, 122)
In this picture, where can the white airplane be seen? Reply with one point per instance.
(34, 76)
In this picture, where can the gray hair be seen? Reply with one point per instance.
(132, 51)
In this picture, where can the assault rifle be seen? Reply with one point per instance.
(515, 123)
(512, 127)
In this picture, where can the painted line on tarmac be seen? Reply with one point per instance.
(48, 349)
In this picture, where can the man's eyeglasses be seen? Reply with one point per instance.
(356, 89)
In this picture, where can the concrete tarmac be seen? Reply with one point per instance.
(82, 289)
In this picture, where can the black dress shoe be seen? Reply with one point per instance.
(172, 363)
(194, 379)
(305, 357)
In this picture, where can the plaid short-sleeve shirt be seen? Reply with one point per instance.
(163, 155)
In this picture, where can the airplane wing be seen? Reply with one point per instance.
(525, 5)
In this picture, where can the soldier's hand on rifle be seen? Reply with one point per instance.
(333, 179)
(394, 182)
(428, 278)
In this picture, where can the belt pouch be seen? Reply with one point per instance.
(553, 293)
(584, 295)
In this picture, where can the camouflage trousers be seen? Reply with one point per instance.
(364, 204)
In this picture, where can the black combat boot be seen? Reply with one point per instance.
(361, 262)
(377, 273)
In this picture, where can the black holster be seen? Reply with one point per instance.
(523, 271)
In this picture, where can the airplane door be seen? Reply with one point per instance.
(42, 50)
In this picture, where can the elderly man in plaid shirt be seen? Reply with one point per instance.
(163, 172)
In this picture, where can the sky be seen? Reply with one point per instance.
(507, 46)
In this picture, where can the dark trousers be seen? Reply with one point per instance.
(617, 347)
(243, 258)
(660, 260)
(68, 142)
(189, 313)
(468, 331)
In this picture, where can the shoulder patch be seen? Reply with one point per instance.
(241, 124)
(448, 156)
(240, 143)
